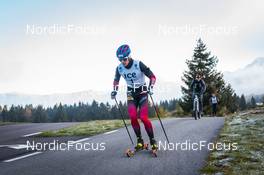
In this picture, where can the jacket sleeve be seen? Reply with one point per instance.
(146, 70)
(116, 80)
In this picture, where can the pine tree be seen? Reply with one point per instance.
(40, 115)
(4, 113)
(12, 114)
(228, 99)
(60, 115)
(204, 63)
(253, 103)
(237, 101)
(1, 118)
(243, 103)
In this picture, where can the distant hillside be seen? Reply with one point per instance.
(52, 99)
(248, 80)
(258, 98)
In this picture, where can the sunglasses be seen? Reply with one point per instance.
(123, 60)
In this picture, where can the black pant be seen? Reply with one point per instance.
(214, 108)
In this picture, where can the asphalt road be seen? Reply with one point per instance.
(112, 159)
(11, 136)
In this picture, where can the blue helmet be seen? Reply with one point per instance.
(123, 52)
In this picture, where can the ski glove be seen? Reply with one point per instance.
(150, 90)
(113, 94)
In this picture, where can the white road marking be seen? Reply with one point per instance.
(17, 146)
(22, 157)
(110, 132)
(81, 140)
(33, 134)
(1, 146)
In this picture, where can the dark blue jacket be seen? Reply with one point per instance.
(198, 86)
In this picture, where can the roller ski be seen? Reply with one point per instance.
(140, 146)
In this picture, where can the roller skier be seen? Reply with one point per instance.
(134, 72)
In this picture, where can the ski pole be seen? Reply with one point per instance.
(157, 112)
(124, 121)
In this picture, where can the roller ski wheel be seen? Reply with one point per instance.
(154, 152)
(130, 153)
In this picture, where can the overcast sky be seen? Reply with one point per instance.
(55, 46)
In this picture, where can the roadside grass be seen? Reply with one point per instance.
(5, 123)
(86, 128)
(247, 130)
(10, 123)
(89, 128)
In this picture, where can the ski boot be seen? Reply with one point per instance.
(154, 147)
(140, 145)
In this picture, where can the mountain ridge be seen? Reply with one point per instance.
(247, 80)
